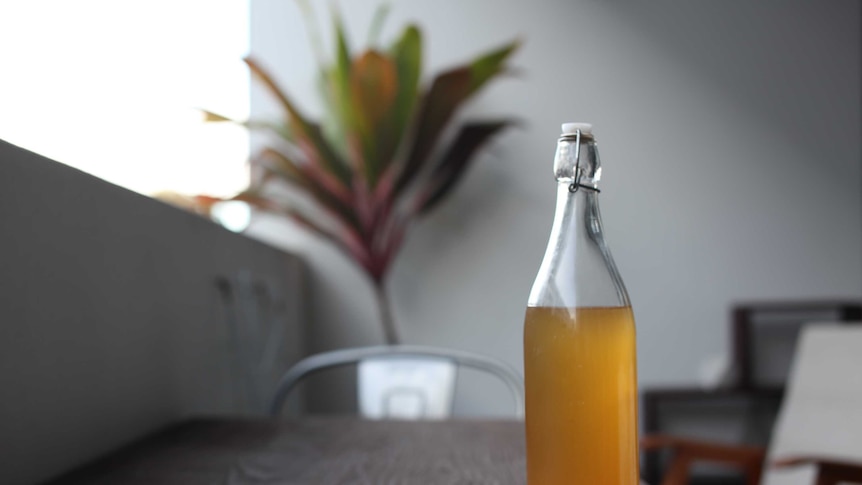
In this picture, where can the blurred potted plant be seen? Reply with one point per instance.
(372, 165)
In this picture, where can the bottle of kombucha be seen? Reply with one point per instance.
(579, 339)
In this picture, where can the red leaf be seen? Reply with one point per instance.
(455, 161)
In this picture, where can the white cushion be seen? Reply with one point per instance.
(821, 414)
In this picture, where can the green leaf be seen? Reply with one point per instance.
(308, 134)
(343, 50)
(341, 72)
(407, 53)
(489, 65)
(455, 161)
(332, 120)
(377, 24)
(335, 87)
(314, 37)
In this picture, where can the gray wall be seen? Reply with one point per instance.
(110, 322)
(730, 138)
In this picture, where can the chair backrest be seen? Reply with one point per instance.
(821, 414)
(402, 381)
(406, 387)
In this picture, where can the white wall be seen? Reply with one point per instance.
(730, 140)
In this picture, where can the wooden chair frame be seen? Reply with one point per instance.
(750, 460)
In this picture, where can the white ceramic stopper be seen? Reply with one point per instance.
(572, 128)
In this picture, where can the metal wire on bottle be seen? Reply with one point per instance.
(576, 183)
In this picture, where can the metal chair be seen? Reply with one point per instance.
(402, 381)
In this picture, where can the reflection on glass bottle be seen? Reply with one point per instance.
(579, 340)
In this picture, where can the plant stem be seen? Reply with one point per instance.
(390, 330)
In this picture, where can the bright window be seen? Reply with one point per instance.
(112, 88)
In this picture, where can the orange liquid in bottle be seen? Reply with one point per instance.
(581, 386)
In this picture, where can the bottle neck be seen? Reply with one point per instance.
(578, 269)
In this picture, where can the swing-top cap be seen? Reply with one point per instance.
(572, 128)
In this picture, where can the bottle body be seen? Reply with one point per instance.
(579, 344)
(581, 387)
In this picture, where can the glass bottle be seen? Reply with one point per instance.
(579, 340)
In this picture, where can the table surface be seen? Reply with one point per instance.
(318, 450)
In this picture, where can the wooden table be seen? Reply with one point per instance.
(320, 450)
